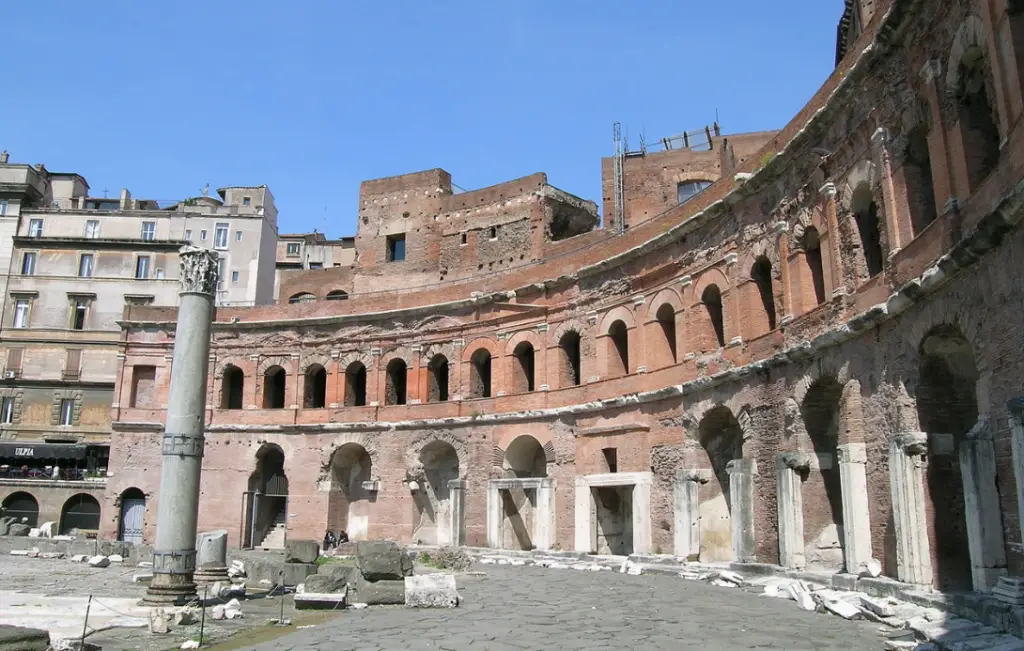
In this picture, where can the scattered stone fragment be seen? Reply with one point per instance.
(52, 555)
(218, 612)
(73, 644)
(731, 577)
(487, 561)
(115, 558)
(301, 551)
(145, 564)
(185, 616)
(99, 561)
(634, 570)
(34, 532)
(881, 607)
(559, 566)
(723, 583)
(359, 606)
(579, 566)
(158, 623)
(502, 561)
(190, 644)
(19, 552)
(382, 560)
(47, 529)
(799, 593)
(232, 609)
(844, 609)
(18, 529)
(431, 591)
(517, 561)
(79, 558)
(142, 577)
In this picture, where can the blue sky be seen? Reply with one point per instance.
(313, 97)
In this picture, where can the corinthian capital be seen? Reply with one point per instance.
(198, 269)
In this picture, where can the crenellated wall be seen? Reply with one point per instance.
(829, 333)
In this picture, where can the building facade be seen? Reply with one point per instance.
(311, 251)
(73, 264)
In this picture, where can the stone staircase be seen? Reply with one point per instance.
(274, 539)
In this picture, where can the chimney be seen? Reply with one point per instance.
(126, 199)
(4, 156)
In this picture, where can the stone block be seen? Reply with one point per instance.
(18, 529)
(843, 581)
(431, 591)
(382, 560)
(314, 600)
(277, 572)
(17, 638)
(5, 524)
(327, 583)
(158, 622)
(99, 561)
(377, 593)
(212, 549)
(301, 551)
(82, 548)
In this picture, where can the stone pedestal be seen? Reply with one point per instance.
(686, 511)
(457, 493)
(174, 557)
(907, 464)
(856, 516)
(741, 501)
(1009, 590)
(211, 557)
(790, 467)
(982, 508)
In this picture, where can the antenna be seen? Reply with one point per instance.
(618, 209)
(206, 190)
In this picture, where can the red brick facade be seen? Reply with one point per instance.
(855, 281)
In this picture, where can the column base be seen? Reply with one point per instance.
(169, 590)
(210, 575)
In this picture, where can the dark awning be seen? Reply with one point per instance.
(25, 451)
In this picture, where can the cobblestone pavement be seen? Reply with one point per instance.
(521, 608)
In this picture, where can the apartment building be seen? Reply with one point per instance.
(70, 263)
(305, 251)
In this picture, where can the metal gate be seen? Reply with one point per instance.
(132, 511)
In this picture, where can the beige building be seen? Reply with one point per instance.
(304, 251)
(70, 263)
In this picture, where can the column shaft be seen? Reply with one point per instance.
(856, 517)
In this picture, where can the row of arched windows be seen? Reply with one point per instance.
(308, 297)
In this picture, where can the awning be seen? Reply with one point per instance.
(26, 451)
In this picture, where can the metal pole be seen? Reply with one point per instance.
(85, 624)
(202, 617)
(280, 620)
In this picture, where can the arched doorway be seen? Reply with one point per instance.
(865, 212)
(761, 274)
(232, 387)
(267, 500)
(394, 384)
(711, 297)
(355, 385)
(480, 374)
(524, 459)
(947, 409)
(351, 493)
(81, 512)
(133, 509)
(569, 359)
(721, 439)
(812, 256)
(316, 387)
(618, 349)
(822, 489)
(274, 383)
(439, 464)
(23, 507)
(522, 368)
(664, 344)
(437, 391)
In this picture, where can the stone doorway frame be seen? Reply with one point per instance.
(586, 516)
(542, 535)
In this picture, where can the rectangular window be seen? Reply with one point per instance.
(85, 266)
(220, 237)
(73, 364)
(465, 238)
(159, 274)
(234, 276)
(79, 310)
(143, 385)
(238, 236)
(3, 208)
(7, 411)
(202, 235)
(188, 234)
(396, 247)
(246, 201)
(67, 411)
(28, 263)
(142, 267)
(316, 265)
(149, 230)
(13, 367)
(494, 232)
(21, 308)
(92, 229)
(293, 248)
(35, 228)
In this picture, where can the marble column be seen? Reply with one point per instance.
(856, 518)
(686, 511)
(457, 497)
(174, 557)
(544, 523)
(981, 507)
(1016, 408)
(790, 469)
(741, 502)
(907, 462)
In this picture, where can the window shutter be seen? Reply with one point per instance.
(14, 359)
(73, 364)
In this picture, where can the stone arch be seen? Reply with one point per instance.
(524, 361)
(578, 325)
(711, 276)
(351, 488)
(525, 456)
(802, 220)
(415, 450)
(355, 356)
(618, 313)
(481, 342)
(570, 348)
(666, 295)
(365, 441)
(764, 247)
(824, 367)
(22, 505)
(863, 173)
(934, 314)
(323, 359)
(284, 361)
(696, 412)
(972, 33)
(80, 511)
(237, 361)
(663, 329)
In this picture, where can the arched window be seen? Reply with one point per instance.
(337, 295)
(23, 507)
(618, 349)
(232, 388)
(712, 299)
(522, 371)
(316, 387)
(480, 374)
(812, 255)
(666, 317)
(274, 387)
(917, 175)
(81, 511)
(689, 189)
(438, 379)
(302, 297)
(355, 385)
(978, 125)
(394, 391)
(865, 212)
(569, 358)
(761, 274)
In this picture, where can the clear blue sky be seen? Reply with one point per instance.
(313, 97)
